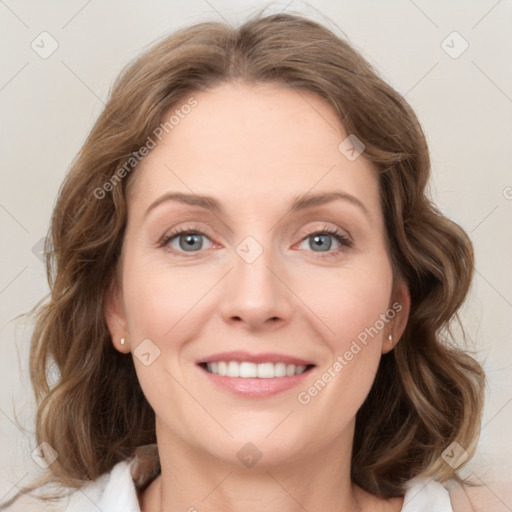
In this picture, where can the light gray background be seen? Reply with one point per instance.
(49, 105)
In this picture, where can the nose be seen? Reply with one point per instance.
(256, 294)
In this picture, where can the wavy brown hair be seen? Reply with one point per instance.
(427, 393)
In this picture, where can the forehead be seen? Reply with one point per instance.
(253, 144)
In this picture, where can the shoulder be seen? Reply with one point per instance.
(114, 491)
(495, 496)
(426, 494)
(93, 496)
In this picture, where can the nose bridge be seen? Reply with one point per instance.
(254, 293)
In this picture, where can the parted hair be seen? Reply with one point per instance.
(428, 391)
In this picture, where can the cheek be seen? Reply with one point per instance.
(349, 301)
(162, 306)
(352, 304)
(158, 297)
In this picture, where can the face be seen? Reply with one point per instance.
(281, 274)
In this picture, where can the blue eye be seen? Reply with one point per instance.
(323, 240)
(188, 241)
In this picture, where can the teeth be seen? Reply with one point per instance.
(247, 370)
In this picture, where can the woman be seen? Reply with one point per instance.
(251, 291)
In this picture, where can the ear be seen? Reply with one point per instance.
(115, 317)
(401, 305)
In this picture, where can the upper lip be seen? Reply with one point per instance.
(262, 357)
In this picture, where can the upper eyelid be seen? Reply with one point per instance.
(197, 229)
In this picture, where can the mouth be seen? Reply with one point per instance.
(255, 375)
(249, 370)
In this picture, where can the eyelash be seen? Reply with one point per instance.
(344, 241)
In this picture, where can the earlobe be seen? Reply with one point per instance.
(401, 306)
(115, 318)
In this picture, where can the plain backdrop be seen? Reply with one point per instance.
(460, 85)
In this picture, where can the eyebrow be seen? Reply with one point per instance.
(298, 203)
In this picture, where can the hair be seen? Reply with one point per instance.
(428, 392)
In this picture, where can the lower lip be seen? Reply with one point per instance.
(254, 387)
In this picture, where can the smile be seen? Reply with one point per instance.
(247, 369)
(255, 375)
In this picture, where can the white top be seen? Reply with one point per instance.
(116, 492)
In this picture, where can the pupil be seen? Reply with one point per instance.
(190, 240)
(322, 243)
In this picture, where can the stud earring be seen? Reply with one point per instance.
(122, 341)
(390, 338)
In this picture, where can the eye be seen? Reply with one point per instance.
(185, 240)
(323, 241)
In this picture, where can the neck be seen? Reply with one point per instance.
(194, 481)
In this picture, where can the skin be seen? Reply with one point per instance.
(254, 148)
